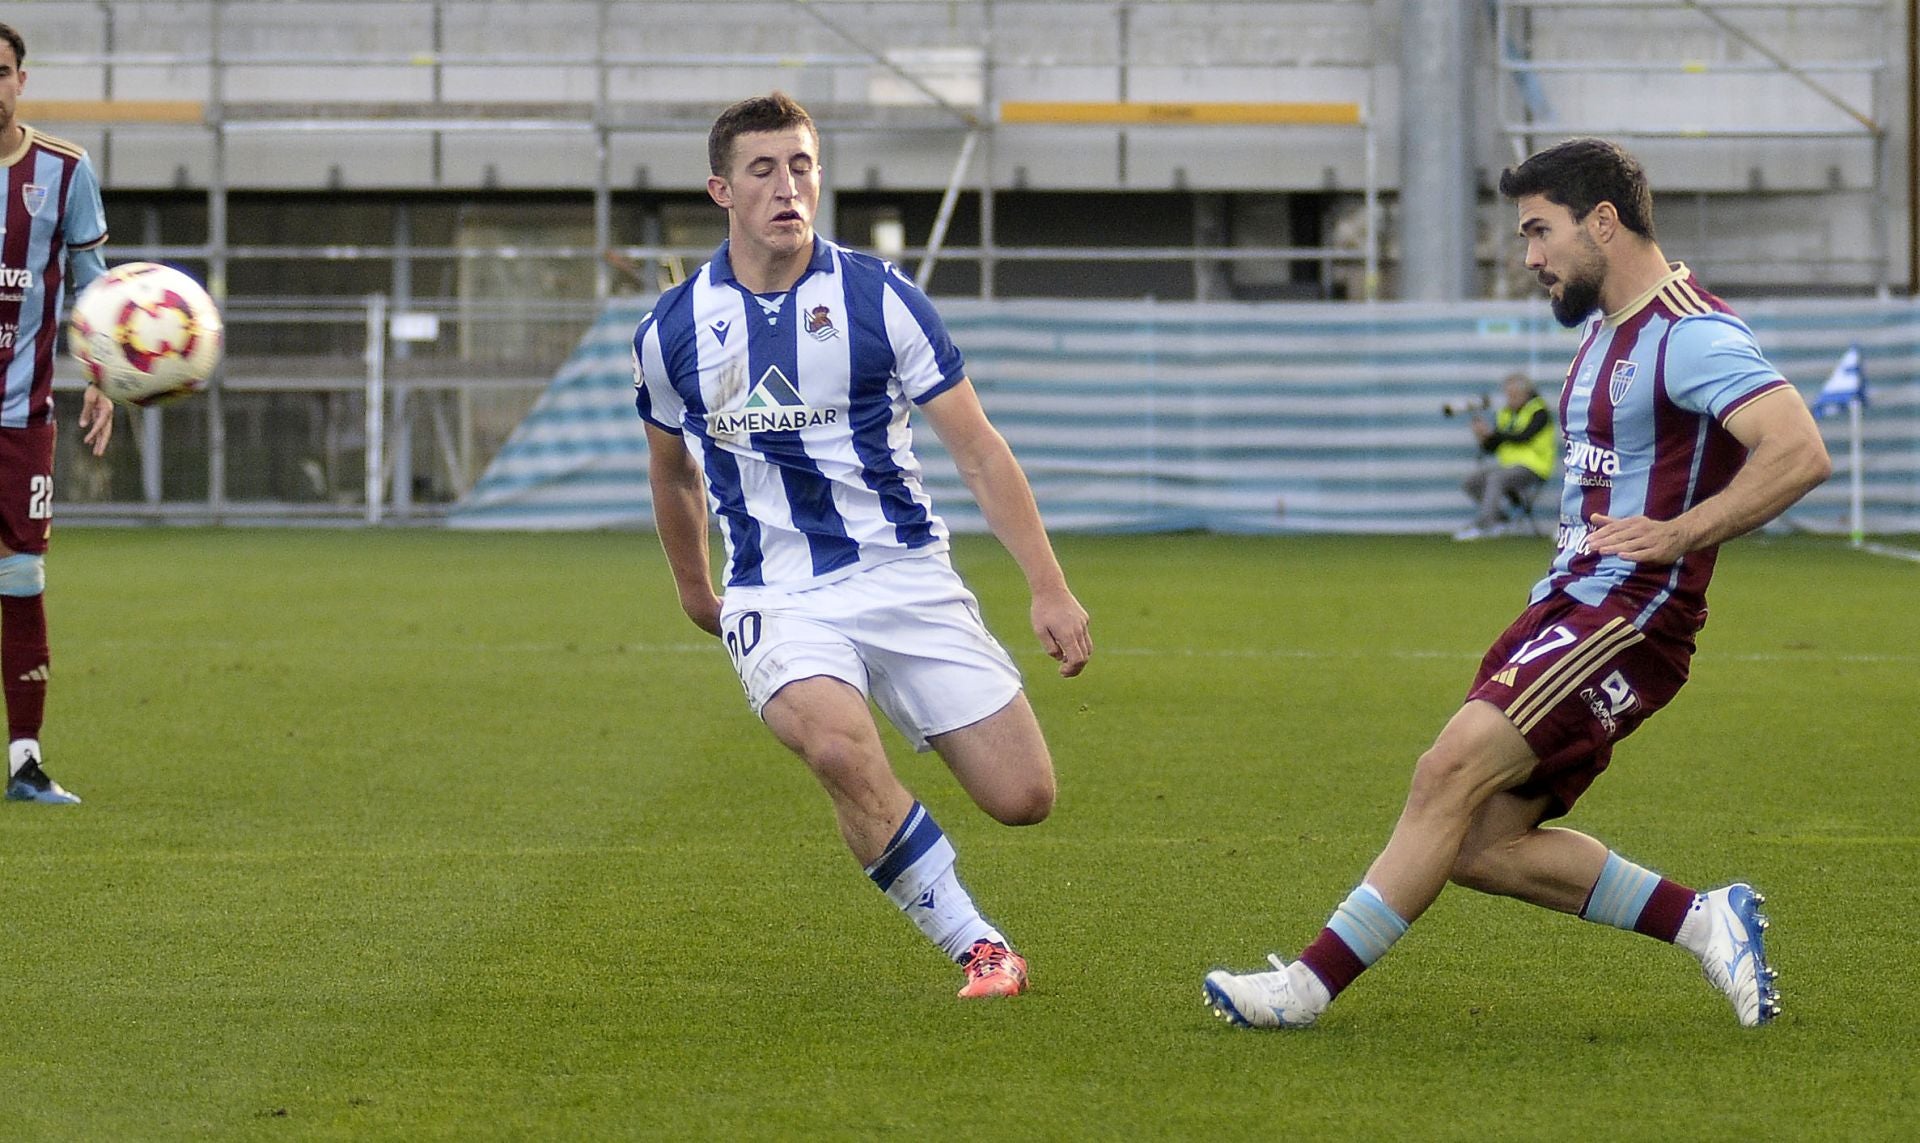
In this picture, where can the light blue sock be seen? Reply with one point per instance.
(1367, 924)
(1620, 894)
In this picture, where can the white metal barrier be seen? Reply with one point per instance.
(335, 409)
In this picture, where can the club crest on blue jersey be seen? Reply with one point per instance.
(820, 324)
(33, 196)
(1621, 381)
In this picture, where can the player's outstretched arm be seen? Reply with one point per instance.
(96, 420)
(998, 485)
(1786, 459)
(680, 516)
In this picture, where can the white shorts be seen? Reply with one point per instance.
(906, 634)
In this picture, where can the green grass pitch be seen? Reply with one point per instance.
(414, 835)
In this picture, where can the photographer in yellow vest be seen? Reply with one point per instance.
(1521, 443)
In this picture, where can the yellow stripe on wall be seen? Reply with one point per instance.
(112, 111)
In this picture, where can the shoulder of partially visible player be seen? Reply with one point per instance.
(65, 148)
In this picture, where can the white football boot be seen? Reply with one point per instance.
(1277, 999)
(1733, 953)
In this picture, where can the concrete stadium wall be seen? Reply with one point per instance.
(373, 58)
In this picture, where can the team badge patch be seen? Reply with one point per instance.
(820, 324)
(1622, 380)
(34, 196)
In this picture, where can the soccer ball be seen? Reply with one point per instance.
(145, 333)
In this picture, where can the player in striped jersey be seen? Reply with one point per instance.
(51, 229)
(1679, 436)
(776, 385)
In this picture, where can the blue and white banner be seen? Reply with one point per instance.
(1227, 417)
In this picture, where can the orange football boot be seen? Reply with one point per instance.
(993, 970)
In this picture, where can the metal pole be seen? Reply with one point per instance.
(402, 351)
(1913, 147)
(602, 176)
(150, 419)
(1370, 278)
(988, 86)
(947, 201)
(105, 171)
(217, 262)
(376, 401)
(1859, 479)
(439, 89)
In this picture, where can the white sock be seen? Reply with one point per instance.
(1693, 932)
(1308, 988)
(916, 873)
(20, 752)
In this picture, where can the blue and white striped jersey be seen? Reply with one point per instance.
(52, 208)
(795, 407)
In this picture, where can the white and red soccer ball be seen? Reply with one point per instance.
(145, 333)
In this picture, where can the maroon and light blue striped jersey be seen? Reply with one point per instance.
(52, 210)
(1643, 415)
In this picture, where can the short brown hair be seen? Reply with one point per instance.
(1580, 174)
(18, 43)
(774, 112)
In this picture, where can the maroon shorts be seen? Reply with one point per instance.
(1574, 680)
(26, 488)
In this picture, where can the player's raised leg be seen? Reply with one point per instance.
(903, 850)
(1003, 764)
(1507, 852)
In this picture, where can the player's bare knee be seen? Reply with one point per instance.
(841, 761)
(1448, 781)
(1028, 803)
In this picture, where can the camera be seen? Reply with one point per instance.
(1478, 404)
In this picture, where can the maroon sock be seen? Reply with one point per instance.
(1329, 958)
(23, 662)
(1664, 910)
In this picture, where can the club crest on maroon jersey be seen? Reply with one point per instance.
(1621, 381)
(33, 196)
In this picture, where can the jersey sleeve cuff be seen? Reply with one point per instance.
(100, 241)
(660, 424)
(942, 387)
(1746, 399)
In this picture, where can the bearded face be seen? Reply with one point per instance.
(1578, 293)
